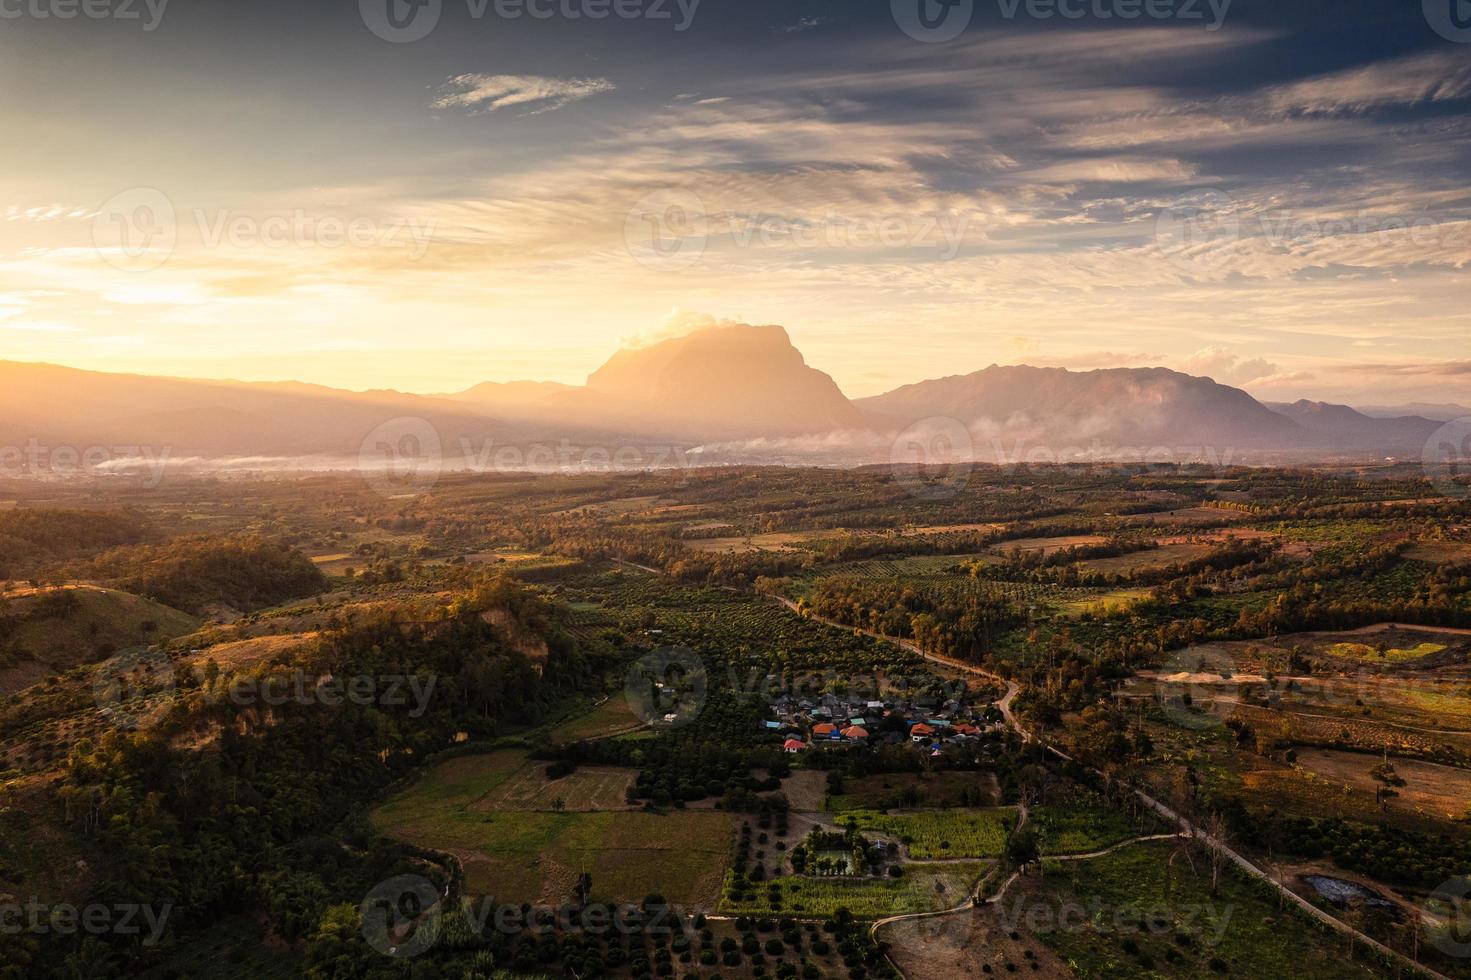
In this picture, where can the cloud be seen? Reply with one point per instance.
(39, 326)
(679, 323)
(1437, 77)
(1224, 366)
(1448, 369)
(487, 93)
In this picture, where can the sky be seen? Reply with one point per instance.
(428, 195)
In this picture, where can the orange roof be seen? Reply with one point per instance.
(855, 732)
(824, 729)
(792, 744)
(921, 729)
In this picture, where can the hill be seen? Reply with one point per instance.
(50, 630)
(1344, 425)
(1115, 407)
(731, 381)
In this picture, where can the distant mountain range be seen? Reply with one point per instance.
(743, 392)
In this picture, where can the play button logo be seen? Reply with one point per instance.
(1451, 19)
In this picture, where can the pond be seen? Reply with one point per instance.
(1341, 892)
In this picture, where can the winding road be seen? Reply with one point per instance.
(1187, 828)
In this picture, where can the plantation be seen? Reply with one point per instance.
(940, 834)
(1141, 915)
(519, 854)
(1083, 830)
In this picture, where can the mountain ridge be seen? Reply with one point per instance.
(723, 384)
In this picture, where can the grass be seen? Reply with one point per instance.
(941, 833)
(59, 628)
(608, 718)
(1170, 554)
(1082, 830)
(1393, 655)
(924, 888)
(1105, 602)
(518, 855)
(1119, 897)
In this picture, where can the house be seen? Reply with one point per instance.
(794, 745)
(855, 732)
(824, 730)
(920, 731)
(776, 725)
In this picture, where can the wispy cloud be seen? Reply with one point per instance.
(1435, 77)
(487, 93)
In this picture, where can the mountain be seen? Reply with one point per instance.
(1345, 426)
(509, 397)
(65, 407)
(742, 391)
(726, 382)
(1114, 408)
(1438, 413)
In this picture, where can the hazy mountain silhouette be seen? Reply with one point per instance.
(1118, 407)
(1347, 426)
(733, 384)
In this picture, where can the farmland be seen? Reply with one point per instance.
(1131, 914)
(496, 814)
(1265, 693)
(940, 834)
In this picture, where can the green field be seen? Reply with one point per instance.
(1242, 929)
(1082, 830)
(534, 855)
(941, 833)
(1392, 655)
(608, 718)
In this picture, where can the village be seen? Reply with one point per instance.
(833, 721)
